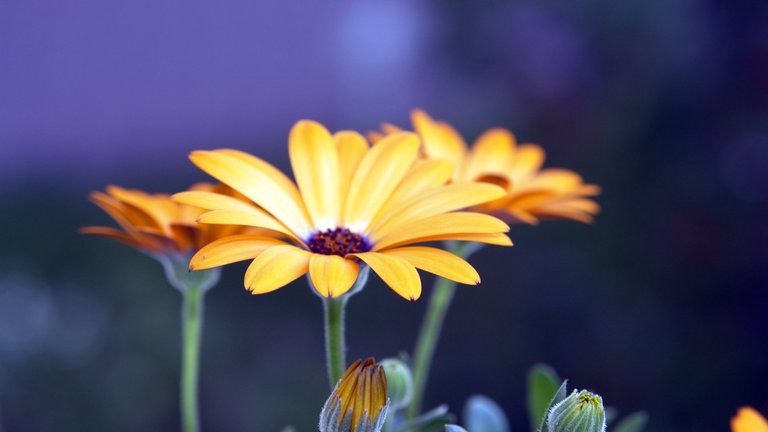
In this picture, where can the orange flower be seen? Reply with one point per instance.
(155, 223)
(533, 193)
(748, 420)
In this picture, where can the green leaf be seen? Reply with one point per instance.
(542, 385)
(481, 414)
(559, 396)
(634, 422)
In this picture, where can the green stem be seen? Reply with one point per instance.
(335, 345)
(192, 324)
(439, 302)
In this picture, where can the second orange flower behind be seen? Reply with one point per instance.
(352, 203)
(532, 193)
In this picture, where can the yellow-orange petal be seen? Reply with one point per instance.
(252, 217)
(212, 201)
(396, 272)
(424, 174)
(283, 181)
(127, 218)
(749, 420)
(441, 140)
(491, 155)
(527, 160)
(351, 148)
(587, 190)
(231, 249)
(442, 224)
(439, 262)
(276, 267)
(498, 239)
(376, 177)
(553, 179)
(161, 211)
(332, 275)
(260, 182)
(582, 204)
(435, 201)
(315, 165)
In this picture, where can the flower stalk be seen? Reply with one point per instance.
(335, 336)
(335, 344)
(192, 286)
(192, 324)
(439, 302)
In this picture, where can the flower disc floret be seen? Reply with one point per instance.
(338, 241)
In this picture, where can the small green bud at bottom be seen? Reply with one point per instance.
(399, 382)
(582, 411)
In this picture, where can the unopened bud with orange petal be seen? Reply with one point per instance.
(359, 401)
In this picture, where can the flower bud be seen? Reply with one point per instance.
(359, 401)
(582, 411)
(399, 382)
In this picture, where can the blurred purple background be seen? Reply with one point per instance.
(660, 305)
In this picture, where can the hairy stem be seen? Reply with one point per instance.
(192, 324)
(335, 344)
(439, 302)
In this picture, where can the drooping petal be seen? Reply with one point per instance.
(351, 148)
(434, 201)
(332, 275)
(439, 262)
(315, 165)
(260, 182)
(276, 267)
(376, 177)
(442, 224)
(396, 272)
(492, 154)
(231, 249)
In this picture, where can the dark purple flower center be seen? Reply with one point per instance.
(337, 241)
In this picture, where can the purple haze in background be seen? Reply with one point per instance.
(92, 87)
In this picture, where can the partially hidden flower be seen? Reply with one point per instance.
(533, 193)
(582, 411)
(359, 402)
(747, 419)
(155, 223)
(351, 203)
(164, 229)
